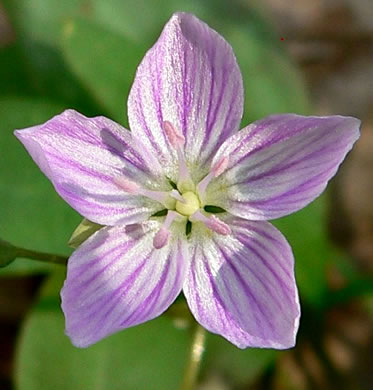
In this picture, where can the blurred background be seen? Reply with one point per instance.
(304, 56)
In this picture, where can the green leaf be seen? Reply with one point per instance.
(32, 214)
(38, 26)
(109, 76)
(8, 253)
(149, 356)
(307, 235)
(239, 366)
(125, 19)
(13, 75)
(42, 20)
(355, 289)
(271, 83)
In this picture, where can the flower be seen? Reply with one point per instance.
(153, 189)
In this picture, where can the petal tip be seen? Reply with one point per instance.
(18, 133)
(23, 134)
(355, 124)
(77, 342)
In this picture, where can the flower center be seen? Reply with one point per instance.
(187, 201)
(191, 204)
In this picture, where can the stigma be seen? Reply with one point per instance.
(190, 205)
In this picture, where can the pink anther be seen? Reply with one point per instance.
(213, 223)
(218, 226)
(126, 185)
(174, 136)
(161, 238)
(220, 166)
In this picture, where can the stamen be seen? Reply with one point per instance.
(220, 166)
(176, 195)
(130, 187)
(218, 226)
(174, 136)
(185, 182)
(216, 170)
(212, 222)
(126, 185)
(177, 140)
(163, 234)
(202, 185)
(161, 238)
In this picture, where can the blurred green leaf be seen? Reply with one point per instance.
(307, 235)
(32, 214)
(239, 366)
(148, 357)
(41, 20)
(104, 61)
(355, 289)
(137, 20)
(13, 75)
(124, 17)
(38, 26)
(271, 83)
(140, 20)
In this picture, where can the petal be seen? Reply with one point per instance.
(281, 163)
(190, 78)
(242, 286)
(81, 156)
(117, 279)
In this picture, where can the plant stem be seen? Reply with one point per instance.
(41, 256)
(194, 358)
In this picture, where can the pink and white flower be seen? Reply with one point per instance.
(183, 155)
